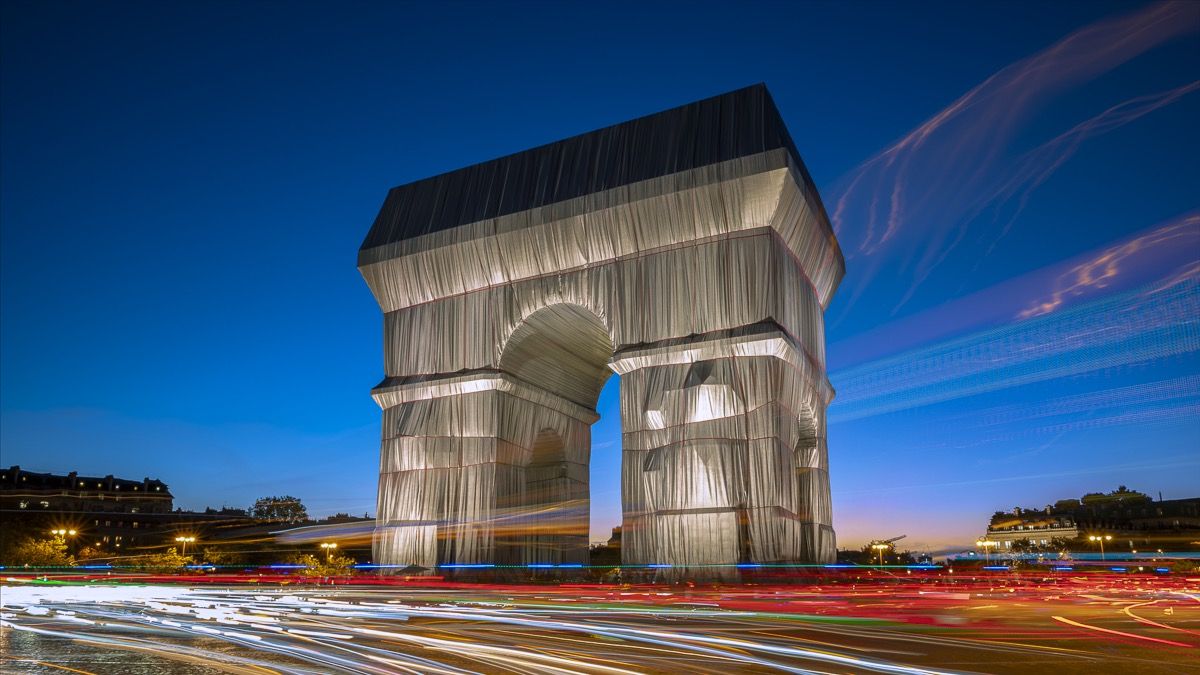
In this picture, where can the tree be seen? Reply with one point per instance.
(90, 553)
(331, 566)
(43, 553)
(285, 509)
(170, 561)
(222, 557)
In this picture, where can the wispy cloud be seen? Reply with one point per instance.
(910, 205)
(1100, 271)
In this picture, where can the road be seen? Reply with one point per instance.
(1089, 625)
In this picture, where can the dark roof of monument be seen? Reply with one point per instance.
(732, 125)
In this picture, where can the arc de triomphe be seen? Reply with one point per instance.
(687, 251)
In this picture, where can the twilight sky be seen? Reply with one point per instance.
(184, 186)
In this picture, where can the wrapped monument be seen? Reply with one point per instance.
(687, 251)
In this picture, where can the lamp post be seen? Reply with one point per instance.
(329, 547)
(987, 545)
(1100, 538)
(880, 548)
(62, 535)
(185, 541)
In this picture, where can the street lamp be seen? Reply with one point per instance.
(881, 548)
(328, 546)
(185, 541)
(1100, 538)
(62, 535)
(987, 545)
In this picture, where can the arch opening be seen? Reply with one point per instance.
(563, 349)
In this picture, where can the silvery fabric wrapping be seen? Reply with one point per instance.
(686, 251)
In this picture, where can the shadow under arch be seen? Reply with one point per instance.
(563, 349)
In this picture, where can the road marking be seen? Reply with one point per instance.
(1143, 619)
(1117, 632)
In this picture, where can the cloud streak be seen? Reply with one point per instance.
(1130, 328)
(1102, 270)
(910, 205)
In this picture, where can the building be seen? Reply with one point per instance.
(104, 511)
(1133, 519)
(115, 517)
(687, 251)
(30, 491)
(109, 515)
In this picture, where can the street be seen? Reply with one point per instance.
(1096, 624)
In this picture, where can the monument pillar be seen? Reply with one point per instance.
(481, 470)
(724, 461)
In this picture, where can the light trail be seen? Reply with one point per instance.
(1130, 328)
(1120, 633)
(1141, 619)
(887, 625)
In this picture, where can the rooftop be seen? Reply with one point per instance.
(736, 124)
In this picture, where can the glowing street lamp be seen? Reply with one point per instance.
(1100, 538)
(881, 548)
(62, 535)
(987, 545)
(328, 546)
(185, 541)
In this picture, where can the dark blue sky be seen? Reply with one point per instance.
(183, 188)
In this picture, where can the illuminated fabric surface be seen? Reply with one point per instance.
(687, 251)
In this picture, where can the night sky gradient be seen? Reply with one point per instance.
(184, 187)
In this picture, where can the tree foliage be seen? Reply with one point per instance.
(91, 553)
(222, 556)
(285, 509)
(322, 566)
(42, 553)
(170, 561)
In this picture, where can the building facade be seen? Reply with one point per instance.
(105, 512)
(1132, 519)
